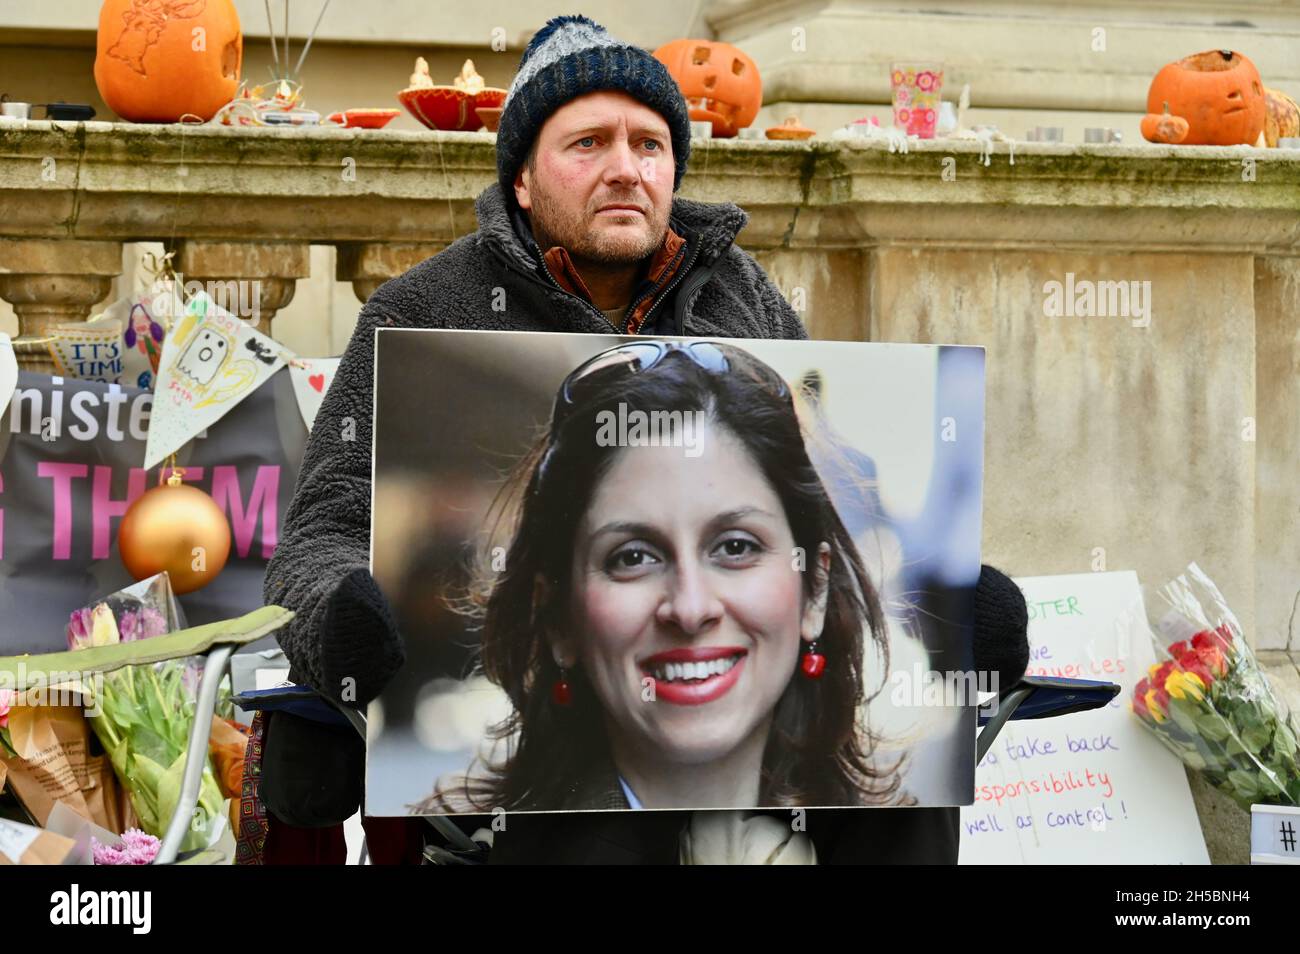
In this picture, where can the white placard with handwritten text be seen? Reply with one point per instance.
(1091, 787)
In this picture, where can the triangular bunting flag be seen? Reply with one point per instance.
(312, 377)
(211, 361)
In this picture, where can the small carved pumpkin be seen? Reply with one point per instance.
(1218, 92)
(1164, 127)
(158, 60)
(1282, 116)
(720, 82)
(790, 128)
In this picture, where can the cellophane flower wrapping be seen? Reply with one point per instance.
(144, 713)
(1210, 702)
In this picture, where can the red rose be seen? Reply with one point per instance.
(1162, 700)
(1193, 664)
(1224, 632)
(1213, 660)
(1140, 697)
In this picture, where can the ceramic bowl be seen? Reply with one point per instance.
(365, 118)
(491, 117)
(448, 108)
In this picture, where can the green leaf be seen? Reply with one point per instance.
(1255, 737)
(1183, 716)
(1243, 783)
(1284, 740)
(169, 789)
(1212, 726)
(1194, 759)
(122, 710)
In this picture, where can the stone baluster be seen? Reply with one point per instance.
(251, 280)
(367, 265)
(52, 281)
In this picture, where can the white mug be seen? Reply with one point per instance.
(16, 110)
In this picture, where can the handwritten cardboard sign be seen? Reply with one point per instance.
(1091, 787)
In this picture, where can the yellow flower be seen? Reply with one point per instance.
(1185, 685)
(104, 628)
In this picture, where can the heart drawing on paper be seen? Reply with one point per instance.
(317, 381)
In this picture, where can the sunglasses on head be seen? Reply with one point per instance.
(639, 356)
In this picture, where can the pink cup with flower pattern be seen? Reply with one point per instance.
(916, 89)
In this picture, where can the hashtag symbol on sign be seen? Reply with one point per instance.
(1288, 836)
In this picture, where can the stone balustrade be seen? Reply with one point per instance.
(1160, 426)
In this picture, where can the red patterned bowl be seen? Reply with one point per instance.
(491, 97)
(365, 118)
(449, 108)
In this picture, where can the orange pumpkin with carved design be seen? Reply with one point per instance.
(1218, 92)
(720, 82)
(159, 60)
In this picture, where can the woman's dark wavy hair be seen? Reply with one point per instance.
(819, 751)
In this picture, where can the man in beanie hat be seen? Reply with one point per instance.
(582, 233)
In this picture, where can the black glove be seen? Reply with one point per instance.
(1001, 628)
(361, 649)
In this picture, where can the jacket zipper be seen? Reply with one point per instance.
(677, 278)
(547, 269)
(689, 291)
(654, 289)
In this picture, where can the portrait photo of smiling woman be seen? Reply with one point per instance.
(657, 604)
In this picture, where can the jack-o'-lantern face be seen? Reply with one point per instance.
(1218, 92)
(720, 82)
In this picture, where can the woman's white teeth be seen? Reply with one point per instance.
(679, 672)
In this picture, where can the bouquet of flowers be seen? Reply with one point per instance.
(1210, 703)
(145, 712)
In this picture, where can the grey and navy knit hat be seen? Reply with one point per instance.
(570, 57)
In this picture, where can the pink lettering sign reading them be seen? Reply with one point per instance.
(245, 511)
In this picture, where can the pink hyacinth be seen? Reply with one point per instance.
(137, 848)
(145, 624)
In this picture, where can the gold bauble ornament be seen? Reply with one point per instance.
(177, 528)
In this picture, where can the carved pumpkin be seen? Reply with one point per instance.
(720, 82)
(1218, 92)
(158, 60)
(789, 129)
(1164, 127)
(1282, 116)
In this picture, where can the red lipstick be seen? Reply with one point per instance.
(695, 675)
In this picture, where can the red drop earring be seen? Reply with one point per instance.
(561, 691)
(813, 663)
